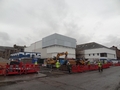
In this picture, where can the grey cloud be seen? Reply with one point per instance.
(45, 17)
(5, 43)
(111, 8)
(35, 13)
(98, 25)
(112, 40)
(74, 30)
(51, 18)
(4, 36)
(20, 41)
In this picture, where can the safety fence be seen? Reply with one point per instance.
(84, 68)
(19, 69)
(117, 64)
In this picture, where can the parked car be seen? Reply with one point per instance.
(114, 61)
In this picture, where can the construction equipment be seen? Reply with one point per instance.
(61, 54)
(52, 61)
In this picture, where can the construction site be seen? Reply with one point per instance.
(60, 64)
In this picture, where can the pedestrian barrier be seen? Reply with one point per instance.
(117, 64)
(74, 69)
(84, 68)
(1, 69)
(31, 68)
(19, 69)
(79, 68)
(110, 64)
(106, 66)
(93, 67)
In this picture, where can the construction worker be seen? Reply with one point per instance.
(100, 68)
(57, 64)
(35, 60)
(69, 67)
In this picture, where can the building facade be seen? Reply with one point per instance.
(94, 51)
(117, 52)
(51, 45)
(5, 52)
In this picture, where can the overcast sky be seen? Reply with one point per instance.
(23, 22)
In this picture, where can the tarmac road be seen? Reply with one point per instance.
(107, 80)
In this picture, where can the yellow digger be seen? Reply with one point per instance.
(52, 61)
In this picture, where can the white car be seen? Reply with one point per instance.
(114, 61)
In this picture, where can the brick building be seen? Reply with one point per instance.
(6, 51)
(117, 52)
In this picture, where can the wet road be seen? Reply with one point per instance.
(107, 80)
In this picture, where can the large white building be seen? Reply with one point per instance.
(51, 45)
(94, 51)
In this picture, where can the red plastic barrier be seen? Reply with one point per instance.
(79, 68)
(11, 69)
(85, 68)
(31, 68)
(74, 69)
(96, 67)
(110, 64)
(1, 70)
(19, 69)
(93, 67)
(117, 64)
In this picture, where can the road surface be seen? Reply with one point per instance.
(107, 80)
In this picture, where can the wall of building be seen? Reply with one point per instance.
(111, 54)
(42, 51)
(34, 46)
(117, 52)
(59, 49)
(53, 44)
(52, 51)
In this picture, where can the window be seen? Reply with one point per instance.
(93, 54)
(98, 54)
(89, 54)
(103, 54)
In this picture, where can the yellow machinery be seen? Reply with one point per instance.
(51, 61)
